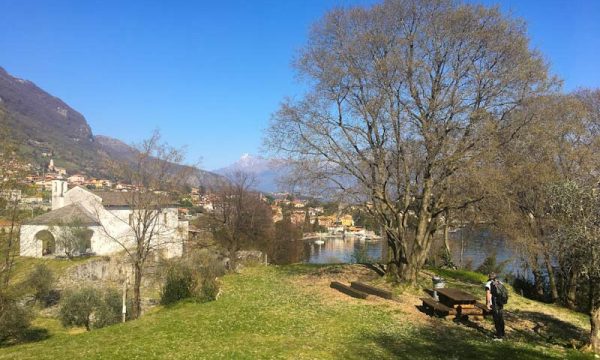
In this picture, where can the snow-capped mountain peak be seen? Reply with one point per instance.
(265, 170)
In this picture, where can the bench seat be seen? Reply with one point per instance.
(348, 290)
(372, 290)
(437, 307)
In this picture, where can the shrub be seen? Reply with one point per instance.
(361, 256)
(194, 277)
(179, 284)
(110, 310)
(208, 268)
(91, 308)
(208, 290)
(14, 319)
(41, 281)
(490, 265)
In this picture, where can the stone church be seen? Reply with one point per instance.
(106, 215)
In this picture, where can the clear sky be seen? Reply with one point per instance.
(209, 74)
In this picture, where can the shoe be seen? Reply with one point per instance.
(498, 338)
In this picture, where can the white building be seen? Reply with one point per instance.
(108, 216)
(76, 179)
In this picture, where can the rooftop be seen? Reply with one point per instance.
(65, 215)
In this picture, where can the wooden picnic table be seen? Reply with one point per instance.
(455, 302)
(455, 297)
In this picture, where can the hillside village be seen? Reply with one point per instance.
(68, 198)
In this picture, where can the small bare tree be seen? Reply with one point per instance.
(402, 97)
(156, 173)
(240, 219)
(11, 175)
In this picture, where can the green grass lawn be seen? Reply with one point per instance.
(277, 313)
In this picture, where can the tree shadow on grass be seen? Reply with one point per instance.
(320, 270)
(30, 335)
(444, 342)
(548, 329)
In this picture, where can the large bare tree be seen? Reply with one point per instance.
(400, 98)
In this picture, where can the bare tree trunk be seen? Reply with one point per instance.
(447, 233)
(595, 329)
(571, 293)
(396, 257)
(537, 282)
(422, 242)
(410, 271)
(591, 293)
(137, 284)
(462, 246)
(551, 278)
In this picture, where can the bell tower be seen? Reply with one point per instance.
(59, 188)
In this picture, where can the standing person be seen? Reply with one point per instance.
(496, 297)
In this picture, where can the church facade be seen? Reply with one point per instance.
(108, 220)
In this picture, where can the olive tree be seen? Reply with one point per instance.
(401, 97)
(73, 238)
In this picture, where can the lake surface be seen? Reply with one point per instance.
(343, 250)
(469, 247)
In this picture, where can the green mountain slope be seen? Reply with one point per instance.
(41, 123)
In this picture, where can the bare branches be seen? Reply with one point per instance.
(145, 221)
(404, 96)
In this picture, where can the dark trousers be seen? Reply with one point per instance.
(498, 314)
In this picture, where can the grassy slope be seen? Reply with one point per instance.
(271, 313)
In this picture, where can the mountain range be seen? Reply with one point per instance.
(42, 124)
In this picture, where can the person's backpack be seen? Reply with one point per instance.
(499, 292)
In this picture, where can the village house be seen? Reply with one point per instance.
(76, 179)
(107, 215)
(327, 220)
(277, 213)
(347, 220)
(298, 217)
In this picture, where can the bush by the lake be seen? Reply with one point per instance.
(361, 256)
(90, 307)
(41, 280)
(491, 265)
(14, 319)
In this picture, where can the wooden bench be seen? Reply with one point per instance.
(348, 290)
(483, 308)
(372, 290)
(437, 307)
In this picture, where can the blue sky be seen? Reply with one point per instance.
(210, 73)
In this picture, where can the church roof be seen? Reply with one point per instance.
(65, 215)
(128, 199)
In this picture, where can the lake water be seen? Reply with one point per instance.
(343, 250)
(468, 247)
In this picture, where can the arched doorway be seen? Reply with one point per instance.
(48, 242)
(86, 244)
